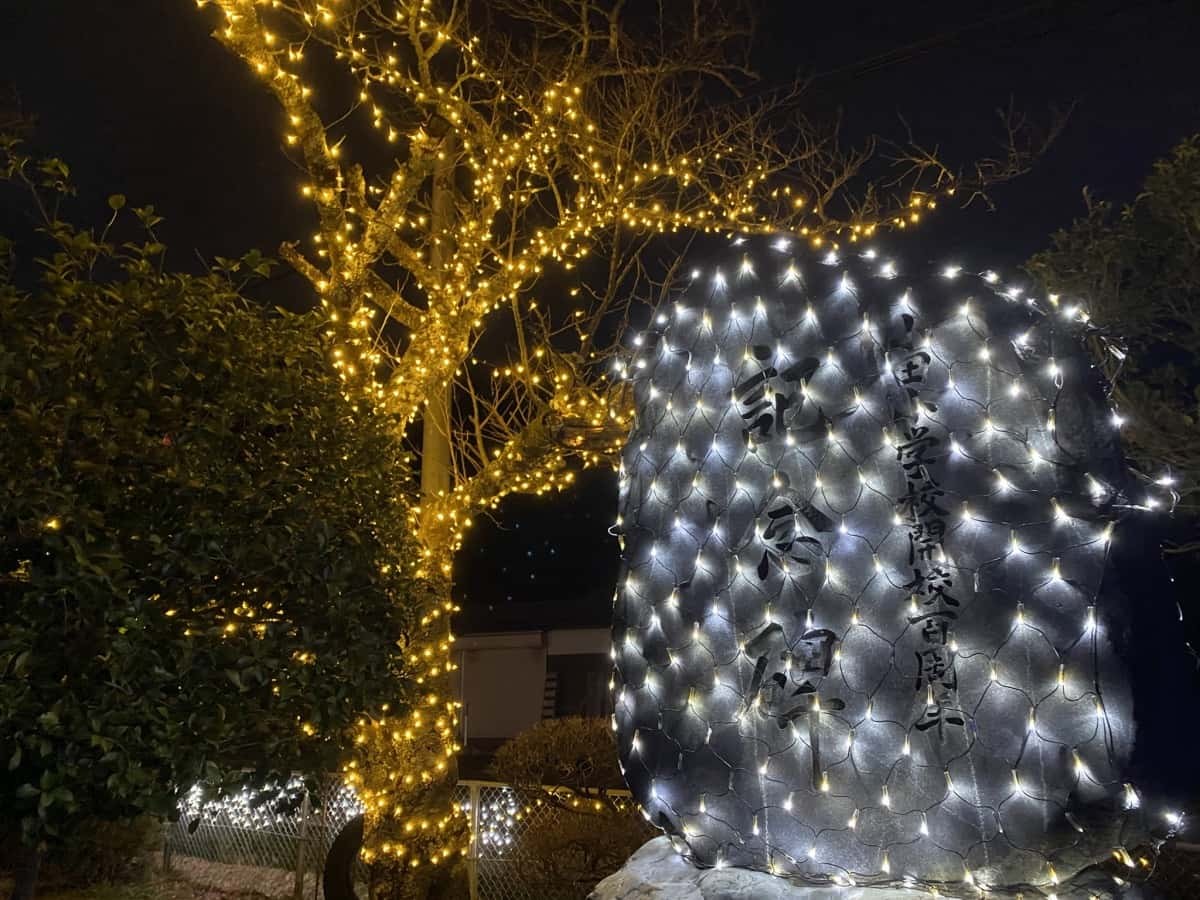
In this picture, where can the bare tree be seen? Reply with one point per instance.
(461, 155)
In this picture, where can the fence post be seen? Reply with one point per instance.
(166, 854)
(302, 840)
(473, 857)
(328, 789)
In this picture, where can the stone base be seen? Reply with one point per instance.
(657, 872)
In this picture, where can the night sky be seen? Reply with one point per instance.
(140, 100)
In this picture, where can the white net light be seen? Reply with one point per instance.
(248, 809)
(498, 819)
(859, 635)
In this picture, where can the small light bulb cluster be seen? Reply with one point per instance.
(267, 809)
(498, 821)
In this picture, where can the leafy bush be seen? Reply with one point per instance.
(96, 852)
(567, 856)
(572, 752)
(106, 852)
(571, 764)
(205, 565)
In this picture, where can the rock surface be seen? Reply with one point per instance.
(657, 872)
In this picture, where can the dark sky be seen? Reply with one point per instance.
(140, 100)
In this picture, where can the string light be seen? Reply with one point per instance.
(462, 279)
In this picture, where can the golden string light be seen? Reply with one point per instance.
(543, 177)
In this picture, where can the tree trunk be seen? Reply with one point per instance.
(435, 446)
(436, 461)
(29, 862)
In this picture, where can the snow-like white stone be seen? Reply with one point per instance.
(657, 872)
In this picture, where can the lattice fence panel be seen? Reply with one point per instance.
(263, 830)
(505, 815)
(505, 854)
(259, 842)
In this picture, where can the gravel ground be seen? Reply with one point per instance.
(189, 879)
(239, 881)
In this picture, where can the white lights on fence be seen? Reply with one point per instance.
(273, 810)
(498, 816)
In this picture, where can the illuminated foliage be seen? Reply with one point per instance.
(205, 556)
(1137, 265)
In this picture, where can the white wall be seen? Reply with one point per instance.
(503, 675)
(503, 678)
(565, 641)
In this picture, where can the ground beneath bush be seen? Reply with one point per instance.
(177, 885)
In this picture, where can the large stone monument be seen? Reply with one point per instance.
(861, 633)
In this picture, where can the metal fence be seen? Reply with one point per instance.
(500, 817)
(501, 863)
(273, 843)
(277, 845)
